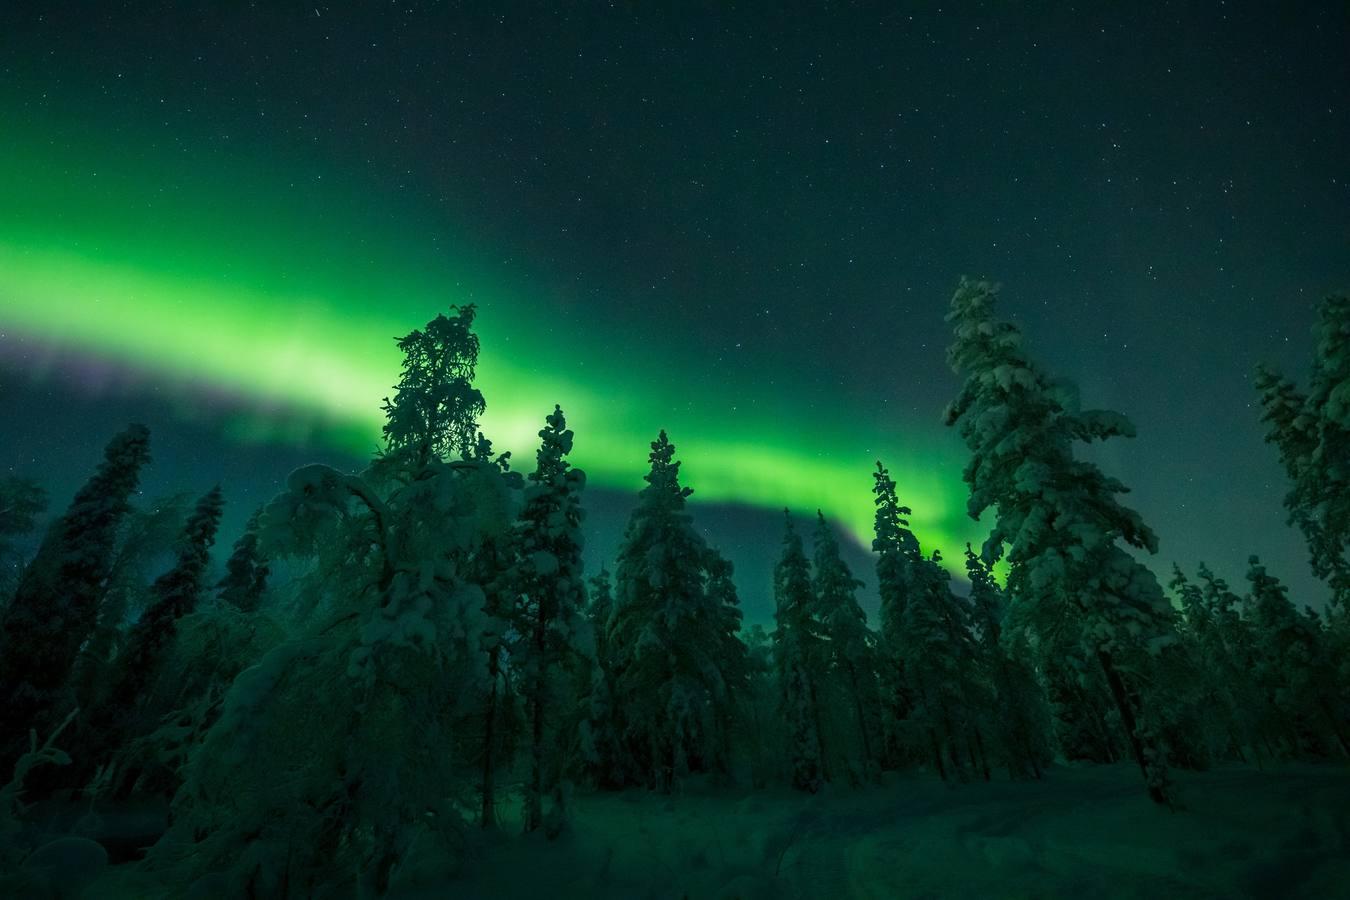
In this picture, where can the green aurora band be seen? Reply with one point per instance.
(288, 292)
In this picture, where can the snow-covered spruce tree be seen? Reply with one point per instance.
(491, 568)
(1219, 731)
(120, 711)
(1019, 711)
(938, 647)
(211, 646)
(896, 548)
(1336, 635)
(760, 731)
(599, 607)
(549, 615)
(1224, 612)
(21, 502)
(1084, 723)
(148, 534)
(799, 656)
(55, 606)
(1184, 717)
(246, 570)
(1312, 433)
(1293, 669)
(850, 644)
(600, 746)
(434, 415)
(1220, 641)
(1198, 620)
(1234, 647)
(342, 751)
(674, 642)
(930, 649)
(1058, 516)
(723, 601)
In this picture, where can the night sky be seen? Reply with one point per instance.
(742, 224)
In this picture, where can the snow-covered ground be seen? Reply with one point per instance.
(1082, 833)
(1085, 833)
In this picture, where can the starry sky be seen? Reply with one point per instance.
(738, 222)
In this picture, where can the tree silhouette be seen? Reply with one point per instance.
(55, 606)
(1057, 515)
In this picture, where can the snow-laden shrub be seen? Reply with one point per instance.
(209, 649)
(333, 756)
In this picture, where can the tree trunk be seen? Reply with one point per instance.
(1270, 750)
(862, 718)
(1237, 743)
(489, 814)
(1126, 708)
(1101, 727)
(1336, 727)
(1031, 755)
(820, 732)
(984, 760)
(937, 753)
(534, 804)
(725, 719)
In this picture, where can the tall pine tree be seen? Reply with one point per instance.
(1020, 713)
(1057, 515)
(55, 607)
(600, 746)
(1293, 669)
(673, 640)
(549, 612)
(724, 603)
(934, 639)
(246, 570)
(21, 502)
(850, 644)
(1220, 642)
(120, 712)
(1312, 432)
(798, 654)
(896, 550)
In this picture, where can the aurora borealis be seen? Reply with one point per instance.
(314, 341)
(729, 225)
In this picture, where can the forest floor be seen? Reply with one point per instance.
(1081, 833)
